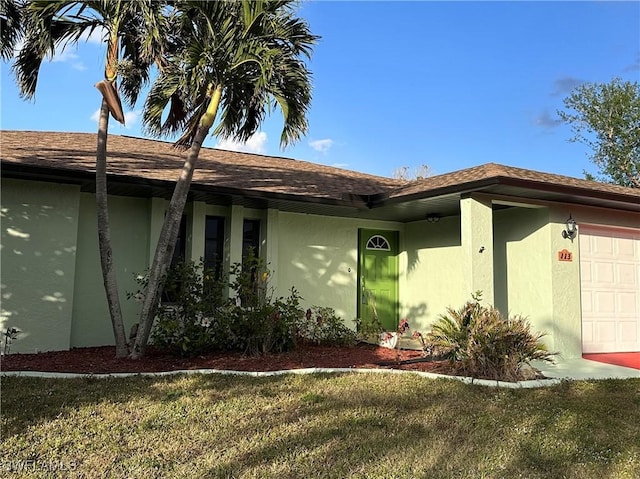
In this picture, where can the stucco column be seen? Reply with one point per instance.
(565, 289)
(476, 225)
(157, 207)
(273, 223)
(196, 235)
(234, 238)
(235, 234)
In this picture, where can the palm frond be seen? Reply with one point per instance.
(140, 30)
(252, 49)
(11, 27)
(109, 92)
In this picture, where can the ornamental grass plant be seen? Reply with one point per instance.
(481, 343)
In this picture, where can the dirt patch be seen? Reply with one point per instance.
(102, 360)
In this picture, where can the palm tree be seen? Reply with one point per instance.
(240, 59)
(10, 27)
(134, 30)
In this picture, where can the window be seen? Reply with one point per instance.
(171, 290)
(250, 238)
(377, 242)
(214, 244)
(180, 253)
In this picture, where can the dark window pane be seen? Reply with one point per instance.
(250, 237)
(214, 243)
(171, 290)
(180, 253)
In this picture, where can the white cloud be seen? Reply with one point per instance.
(130, 118)
(18, 47)
(62, 56)
(322, 146)
(255, 144)
(96, 37)
(68, 56)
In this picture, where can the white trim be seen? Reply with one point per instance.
(373, 245)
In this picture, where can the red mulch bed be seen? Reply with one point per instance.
(102, 360)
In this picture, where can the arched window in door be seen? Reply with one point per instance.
(378, 242)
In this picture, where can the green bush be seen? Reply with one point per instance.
(266, 327)
(196, 316)
(322, 326)
(191, 318)
(481, 343)
(261, 323)
(370, 329)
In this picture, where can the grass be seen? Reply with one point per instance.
(318, 426)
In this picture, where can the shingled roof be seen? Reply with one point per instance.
(495, 171)
(158, 160)
(275, 180)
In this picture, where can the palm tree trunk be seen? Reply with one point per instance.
(170, 227)
(104, 236)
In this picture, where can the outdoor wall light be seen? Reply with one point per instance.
(571, 230)
(433, 217)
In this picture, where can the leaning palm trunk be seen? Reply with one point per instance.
(104, 236)
(138, 30)
(169, 233)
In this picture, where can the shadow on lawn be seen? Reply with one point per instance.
(370, 425)
(465, 428)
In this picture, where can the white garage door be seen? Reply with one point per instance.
(610, 282)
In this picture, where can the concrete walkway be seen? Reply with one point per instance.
(578, 368)
(584, 369)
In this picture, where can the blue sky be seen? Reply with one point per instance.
(403, 84)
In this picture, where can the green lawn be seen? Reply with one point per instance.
(293, 426)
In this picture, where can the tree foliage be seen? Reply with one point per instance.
(134, 33)
(606, 117)
(233, 60)
(405, 173)
(11, 27)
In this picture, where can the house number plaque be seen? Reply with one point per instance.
(565, 255)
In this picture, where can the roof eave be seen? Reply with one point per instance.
(622, 200)
(86, 179)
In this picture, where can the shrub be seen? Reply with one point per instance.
(191, 319)
(481, 343)
(322, 326)
(200, 318)
(369, 329)
(261, 323)
(267, 327)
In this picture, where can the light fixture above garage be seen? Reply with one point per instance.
(571, 229)
(433, 217)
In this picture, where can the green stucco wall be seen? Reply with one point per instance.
(565, 276)
(52, 290)
(39, 232)
(130, 226)
(532, 281)
(319, 257)
(476, 234)
(434, 265)
(522, 267)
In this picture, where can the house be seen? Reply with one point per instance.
(347, 240)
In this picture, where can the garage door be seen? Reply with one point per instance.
(610, 282)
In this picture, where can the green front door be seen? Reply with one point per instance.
(378, 277)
